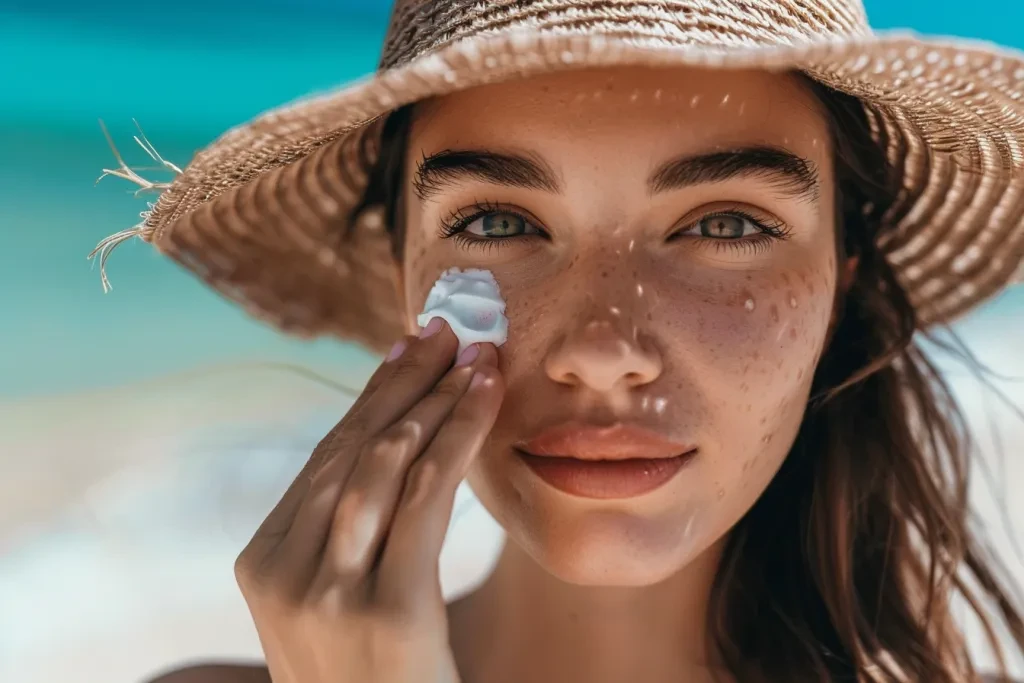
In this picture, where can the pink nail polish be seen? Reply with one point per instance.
(468, 355)
(396, 350)
(478, 379)
(432, 328)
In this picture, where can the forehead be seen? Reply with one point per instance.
(698, 109)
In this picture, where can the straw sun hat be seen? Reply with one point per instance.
(260, 213)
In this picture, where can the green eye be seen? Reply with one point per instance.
(498, 224)
(725, 226)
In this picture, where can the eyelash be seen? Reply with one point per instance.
(454, 225)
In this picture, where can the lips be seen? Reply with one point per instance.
(616, 442)
(604, 462)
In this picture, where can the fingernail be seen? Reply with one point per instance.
(396, 350)
(478, 379)
(432, 328)
(468, 355)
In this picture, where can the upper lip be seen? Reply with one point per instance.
(591, 442)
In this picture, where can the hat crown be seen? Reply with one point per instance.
(419, 27)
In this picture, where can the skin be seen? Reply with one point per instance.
(702, 342)
(615, 315)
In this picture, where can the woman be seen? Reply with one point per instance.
(717, 451)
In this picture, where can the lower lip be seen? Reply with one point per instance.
(605, 479)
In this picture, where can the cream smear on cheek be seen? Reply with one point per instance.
(471, 302)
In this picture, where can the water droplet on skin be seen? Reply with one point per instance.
(743, 108)
(694, 101)
(639, 290)
(632, 243)
(792, 301)
(659, 405)
(725, 100)
(634, 96)
(644, 402)
(614, 311)
(748, 304)
(767, 439)
(721, 494)
(657, 94)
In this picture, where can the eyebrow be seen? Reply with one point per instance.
(788, 172)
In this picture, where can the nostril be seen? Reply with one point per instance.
(634, 379)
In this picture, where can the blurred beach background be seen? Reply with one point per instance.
(145, 433)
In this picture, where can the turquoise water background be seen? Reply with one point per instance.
(187, 72)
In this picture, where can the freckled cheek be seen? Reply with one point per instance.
(756, 335)
(535, 315)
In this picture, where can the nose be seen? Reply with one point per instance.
(598, 356)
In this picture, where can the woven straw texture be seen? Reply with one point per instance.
(259, 214)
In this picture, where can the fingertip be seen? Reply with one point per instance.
(486, 379)
(488, 353)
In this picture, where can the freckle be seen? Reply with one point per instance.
(785, 278)
(650, 317)
(763, 420)
(775, 313)
(792, 333)
(604, 273)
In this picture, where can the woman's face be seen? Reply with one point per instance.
(665, 242)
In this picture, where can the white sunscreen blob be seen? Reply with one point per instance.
(471, 303)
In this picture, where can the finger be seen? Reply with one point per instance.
(416, 369)
(407, 569)
(368, 501)
(410, 377)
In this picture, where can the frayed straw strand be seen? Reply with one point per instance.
(126, 172)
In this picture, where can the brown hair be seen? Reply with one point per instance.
(845, 568)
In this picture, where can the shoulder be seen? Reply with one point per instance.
(215, 673)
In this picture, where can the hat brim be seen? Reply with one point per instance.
(260, 213)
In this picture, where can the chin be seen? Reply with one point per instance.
(610, 548)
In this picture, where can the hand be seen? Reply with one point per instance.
(342, 576)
